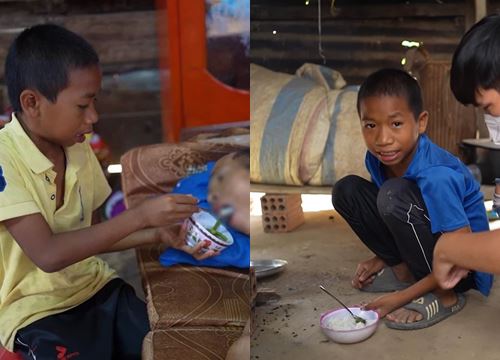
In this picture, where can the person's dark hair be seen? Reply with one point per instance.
(392, 82)
(476, 61)
(243, 158)
(41, 57)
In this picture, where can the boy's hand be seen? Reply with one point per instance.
(447, 275)
(167, 209)
(365, 272)
(383, 305)
(175, 237)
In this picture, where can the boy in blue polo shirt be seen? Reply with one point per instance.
(418, 192)
(57, 300)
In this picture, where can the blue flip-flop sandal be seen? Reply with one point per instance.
(432, 310)
(385, 281)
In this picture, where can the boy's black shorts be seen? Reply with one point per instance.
(110, 325)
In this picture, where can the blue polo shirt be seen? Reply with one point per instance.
(450, 192)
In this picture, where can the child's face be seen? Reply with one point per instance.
(66, 121)
(230, 185)
(489, 101)
(391, 131)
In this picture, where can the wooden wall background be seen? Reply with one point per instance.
(358, 38)
(362, 36)
(123, 32)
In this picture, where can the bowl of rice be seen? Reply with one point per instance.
(198, 228)
(340, 326)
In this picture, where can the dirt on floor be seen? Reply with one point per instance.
(325, 251)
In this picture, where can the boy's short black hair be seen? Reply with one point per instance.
(392, 82)
(476, 61)
(41, 57)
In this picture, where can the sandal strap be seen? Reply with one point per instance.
(427, 305)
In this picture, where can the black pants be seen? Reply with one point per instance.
(392, 222)
(110, 325)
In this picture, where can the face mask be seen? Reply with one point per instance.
(493, 124)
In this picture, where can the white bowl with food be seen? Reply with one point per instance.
(199, 228)
(341, 327)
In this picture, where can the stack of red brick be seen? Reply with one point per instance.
(281, 213)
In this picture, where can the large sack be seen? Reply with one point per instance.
(294, 118)
(345, 148)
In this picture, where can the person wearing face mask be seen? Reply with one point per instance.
(493, 125)
(474, 79)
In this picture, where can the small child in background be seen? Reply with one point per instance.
(230, 185)
(223, 183)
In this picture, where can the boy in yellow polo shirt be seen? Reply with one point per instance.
(56, 299)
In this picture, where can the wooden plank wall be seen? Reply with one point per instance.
(123, 40)
(357, 39)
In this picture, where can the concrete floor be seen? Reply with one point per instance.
(326, 251)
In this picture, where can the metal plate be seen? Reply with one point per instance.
(264, 268)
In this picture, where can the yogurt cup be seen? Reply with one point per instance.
(197, 230)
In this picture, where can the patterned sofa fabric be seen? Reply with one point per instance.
(189, 343)
(185, 296)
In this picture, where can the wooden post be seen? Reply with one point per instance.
(475, 11)
(480, 9)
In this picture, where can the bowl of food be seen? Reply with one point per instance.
(341, 327)
(200, 227)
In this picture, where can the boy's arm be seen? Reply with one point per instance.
(172, 236)
(476, 251)
(138, 238)
(53, 252)
(388, 303)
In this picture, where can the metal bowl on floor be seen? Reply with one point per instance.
(269, 267)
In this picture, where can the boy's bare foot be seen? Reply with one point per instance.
(365, 272)
(402, 273)
(402, 315)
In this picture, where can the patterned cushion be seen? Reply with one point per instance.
(195, 312)
(186, 295)
(189, 343)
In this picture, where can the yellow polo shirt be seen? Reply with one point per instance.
(27, 186)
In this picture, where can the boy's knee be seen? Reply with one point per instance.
(345, 189)
(393, 193)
